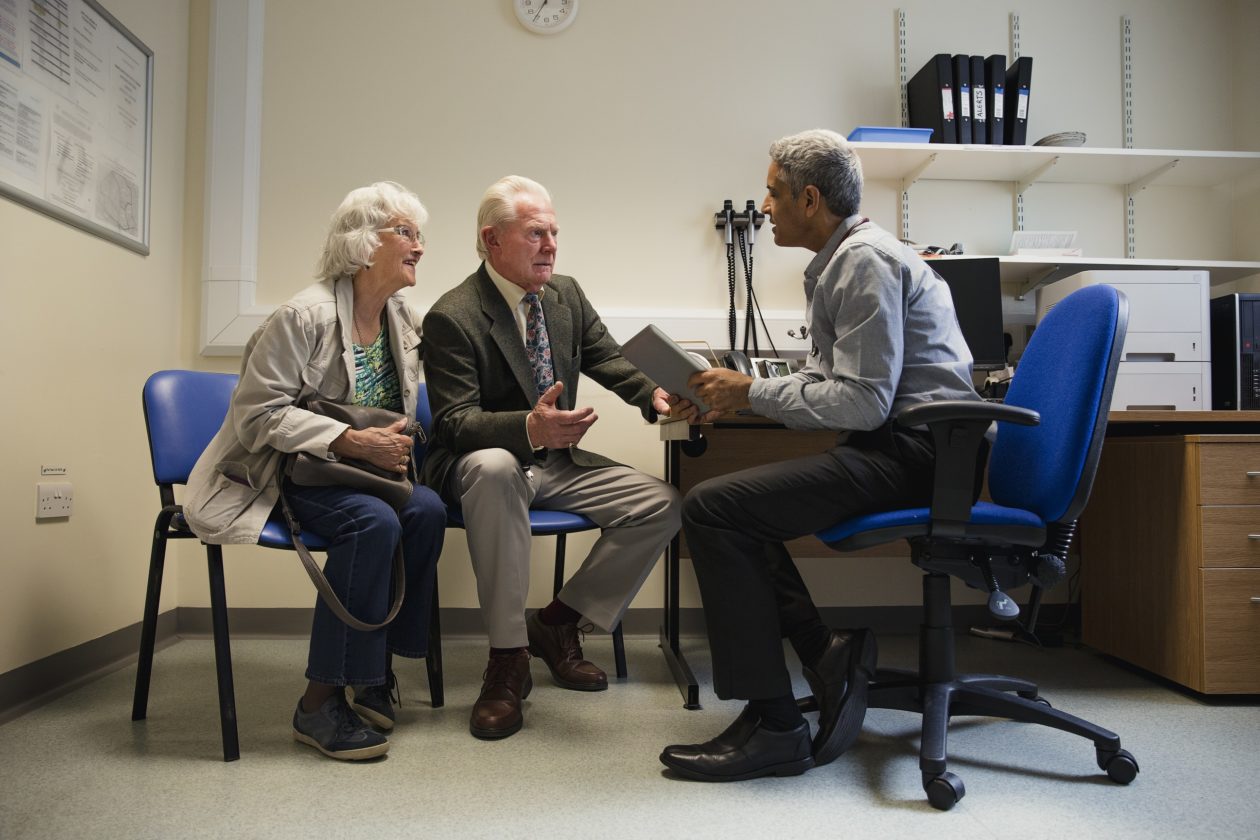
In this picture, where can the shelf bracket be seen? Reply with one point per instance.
(1050, 276)
(1150, 178)
(906, 183)
(1036, 176)
(917, 173)
(1130, 205)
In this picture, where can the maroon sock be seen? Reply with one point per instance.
(558, 612)
(494, 651)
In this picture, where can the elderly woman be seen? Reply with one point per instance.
(349, 338)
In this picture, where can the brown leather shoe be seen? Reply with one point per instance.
(558, 646)
(505, 685)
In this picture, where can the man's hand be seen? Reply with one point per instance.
(385, 447)
(555, 428)
(673, 406)
(721, 390)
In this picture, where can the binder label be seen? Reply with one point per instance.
(998, 105)
(977, 96)
(1021, 107)
(947, 103)
(965, 101)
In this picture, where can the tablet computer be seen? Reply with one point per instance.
(665, 362)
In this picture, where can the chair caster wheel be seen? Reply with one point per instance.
(1119, 765)
(944, 791)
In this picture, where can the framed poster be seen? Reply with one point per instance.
(76, 117)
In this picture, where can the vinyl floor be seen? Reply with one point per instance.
(585, 765)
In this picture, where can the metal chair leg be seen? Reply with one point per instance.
(558, 579)
(619, 643)
(148, 627)
(433, 659)
(222, 654)
(619, 651)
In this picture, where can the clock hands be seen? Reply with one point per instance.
(540, 10)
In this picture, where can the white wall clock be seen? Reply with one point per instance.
(545, 17)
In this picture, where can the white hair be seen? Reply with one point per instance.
(826, 160)
(498, 205)
(352, 231)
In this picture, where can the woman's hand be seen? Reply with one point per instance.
(384, 447)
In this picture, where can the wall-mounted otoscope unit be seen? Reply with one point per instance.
(741, 227)
(728, 221)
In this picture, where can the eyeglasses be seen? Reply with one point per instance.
(404, 231)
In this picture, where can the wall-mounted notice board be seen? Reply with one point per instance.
(76, 117)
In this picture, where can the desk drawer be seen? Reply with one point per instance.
(1231, 536)
(1231, 625)
(1223, 478)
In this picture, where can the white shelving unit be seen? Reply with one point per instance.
(1023, 166)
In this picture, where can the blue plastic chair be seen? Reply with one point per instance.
(1050, 434)
(183, 410)
(542, 523)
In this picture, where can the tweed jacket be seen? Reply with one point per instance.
(479, 379)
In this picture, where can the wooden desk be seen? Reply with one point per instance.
(1189, 616)
(1170, 548)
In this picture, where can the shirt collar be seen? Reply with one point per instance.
(511, 292)
(815, 268)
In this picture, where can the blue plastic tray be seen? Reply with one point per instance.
(881, 134)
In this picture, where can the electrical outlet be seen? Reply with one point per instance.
(54, 499)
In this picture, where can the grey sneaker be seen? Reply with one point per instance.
(336, 731)
(375, 703)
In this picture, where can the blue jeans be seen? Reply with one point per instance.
(361, 532)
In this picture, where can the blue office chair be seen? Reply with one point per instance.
(542, 523)
(183, 410)
(1050, 434)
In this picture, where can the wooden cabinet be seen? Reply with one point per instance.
(1170, 559)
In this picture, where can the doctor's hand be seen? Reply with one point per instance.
(556, 428)
(721, 390)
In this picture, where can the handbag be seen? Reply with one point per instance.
(393, 488)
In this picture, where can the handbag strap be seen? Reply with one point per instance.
(325, 588)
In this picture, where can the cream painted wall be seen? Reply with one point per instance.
(643, 116)
(641, 119)
(84, 321)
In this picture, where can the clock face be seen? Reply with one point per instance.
(545, 16)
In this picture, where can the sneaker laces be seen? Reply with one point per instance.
(348, 721)
(387, 691)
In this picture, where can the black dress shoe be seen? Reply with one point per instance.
(839, 680)
(744, 751)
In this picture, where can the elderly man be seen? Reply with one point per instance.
(503, 351)
(884, 337)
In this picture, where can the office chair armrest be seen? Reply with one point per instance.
(958, 427)
(927, 413)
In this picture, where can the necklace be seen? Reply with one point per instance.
(359, 332)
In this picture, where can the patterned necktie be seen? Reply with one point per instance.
(537, 344)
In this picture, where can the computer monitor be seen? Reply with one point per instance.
(976, 286)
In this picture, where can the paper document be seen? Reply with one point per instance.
(665, 362)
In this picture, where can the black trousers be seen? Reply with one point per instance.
(736, 525)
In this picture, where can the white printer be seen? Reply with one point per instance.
(1166, 363)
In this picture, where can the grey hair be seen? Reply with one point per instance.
(826, 160)
(498, 205)
(352, 230)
